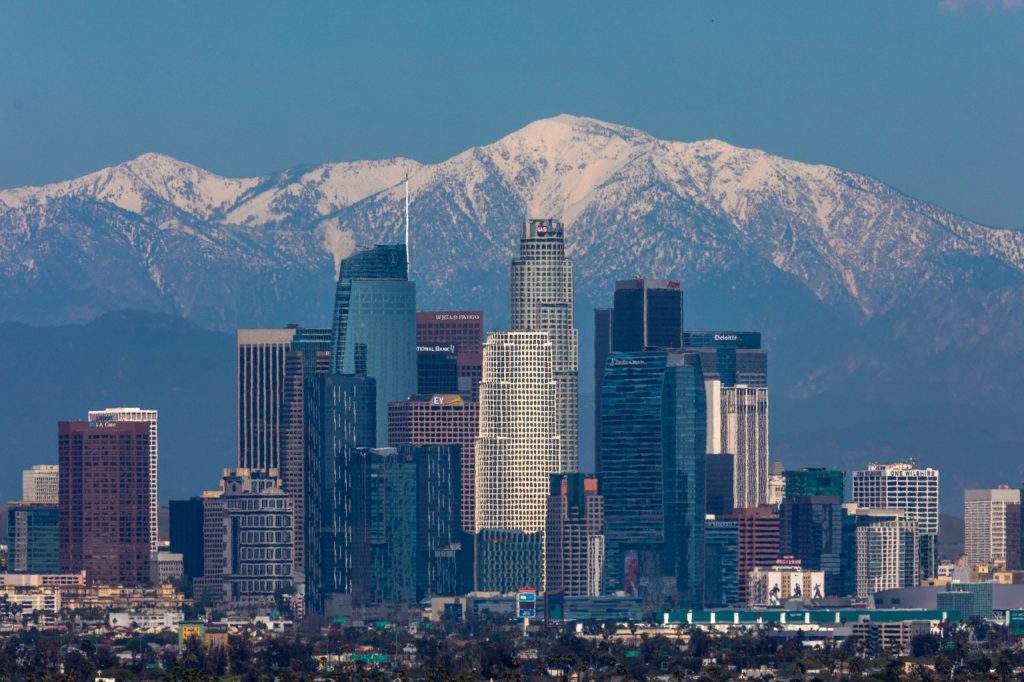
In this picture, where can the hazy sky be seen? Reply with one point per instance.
(928, 96)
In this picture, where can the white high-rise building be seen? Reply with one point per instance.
(744, 434)
(41, 483)
(518, 445)
(137, 414)
(985, 523)
(888, 549)
(542, 301)
(901, 485)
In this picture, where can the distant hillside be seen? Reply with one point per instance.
(122, 358)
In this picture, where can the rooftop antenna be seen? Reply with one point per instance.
(406, 223)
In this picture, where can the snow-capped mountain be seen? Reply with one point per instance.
(758, 240)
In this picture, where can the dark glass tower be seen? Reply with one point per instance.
(340, 416)
(32, 537)
(602, 347)
(648, 315)
(375, 309)
(719, 471)
(721, 555)
(186, 531)
(654, 430)
(811, 530)
(384, 527)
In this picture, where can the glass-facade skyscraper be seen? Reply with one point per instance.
(340, 416)
(653, 429)
(375, 323)
(811, 530)
(648, 315)
(542, 301)
(32, 537)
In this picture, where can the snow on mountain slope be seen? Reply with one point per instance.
(632, 203)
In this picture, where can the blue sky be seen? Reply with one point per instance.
(927, 97)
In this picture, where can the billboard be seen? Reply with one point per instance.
(526, 602)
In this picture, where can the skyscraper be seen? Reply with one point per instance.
(135, 414)
(721, 543)
(104, 507)
(648, 315)
(375, 319)
(444, 551)
(811, 530)
(905, 486)
(719, 487)
(463, 332)
(186, 534)
(985, 524)
(33, 539)
(261, 355)
(340, 418)
(744, 424)
(40, 483)
(575, 535)
(888, 549)
(384, 527)
(542, 301)
(441, 420)
(518, 446)
(653, 477)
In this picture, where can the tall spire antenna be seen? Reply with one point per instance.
(407, 224)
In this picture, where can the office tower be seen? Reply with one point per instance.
(340, 417)
(648, 315)
(985, 531)
(105, 502)
(888, 551)
(375, 323)
(744, 424)
(814, 481)
(208, 589)
(384, 527)
(257, 537)
(542, 301)
(186, 531)
(440, 420)
(848, 554)
(811, 530)
(444, 550)
(757, 543)
(40, 483)
(718, 485)
(721, 565)
(463, 331)
(734, 358)
(653, 432)
(308, 357)
(602, 346)
(518, 445)
(915, 490)
(135, 414)
(575, 535)
(33, 540)
(261, 355)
